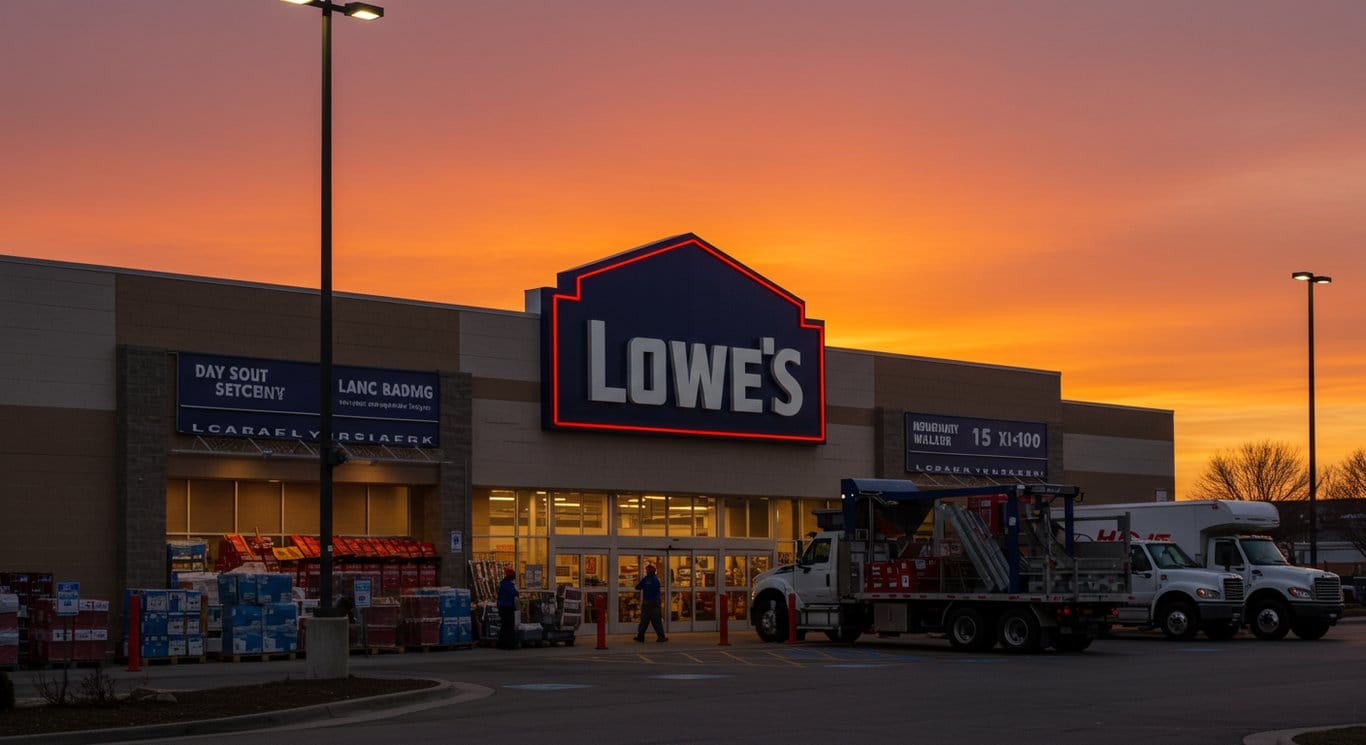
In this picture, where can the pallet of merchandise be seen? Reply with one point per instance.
(436, 647)
(182, 660)
(254, 656)
(372, 651)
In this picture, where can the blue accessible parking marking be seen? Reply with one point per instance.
(546, 686)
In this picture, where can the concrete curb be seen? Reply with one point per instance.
(443, 691)
(1287, 736)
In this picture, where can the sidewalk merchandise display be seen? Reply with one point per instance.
(259, 614)
(83, 637)
(402, 564)
(9, 630)
(29, 587)
(485, 575)
(455, 626)
(185, 557)
(544, 617)
(170, 623)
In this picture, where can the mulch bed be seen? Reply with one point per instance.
(195, 705)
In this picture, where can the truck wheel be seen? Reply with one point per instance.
(971, 630)
(1310, 629)
(770, 619)
(1178, 620)
(1020, 632)
(1270, 619)
(1072, 642)
(1219, 630)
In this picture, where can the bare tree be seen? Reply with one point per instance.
(1348, 490)
(1255, 471)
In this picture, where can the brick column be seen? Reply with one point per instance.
(144, 427)
(448, 509)
(889, 437)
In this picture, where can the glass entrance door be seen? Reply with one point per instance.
(691, 591)
(588, 571)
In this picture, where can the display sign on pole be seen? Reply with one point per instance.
(68, 598)
(361, 591)
(534, 575)
(457, 542)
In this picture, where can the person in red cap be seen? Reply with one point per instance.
(649, 605)
(507, 610)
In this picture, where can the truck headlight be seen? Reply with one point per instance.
(1206, 593)
(1301, 592)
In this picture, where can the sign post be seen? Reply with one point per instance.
(69, 606)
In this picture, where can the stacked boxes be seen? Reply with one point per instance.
(258, 614)
(421, 617)
(170, 623)
(378, 625)
(453, 611)
(569, 607)
(9, 629)
(29, 587)
(183, 557)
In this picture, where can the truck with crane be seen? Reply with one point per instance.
(986, 565)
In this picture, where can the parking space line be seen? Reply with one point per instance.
(737, 658)
(780, 658)
(694, 659)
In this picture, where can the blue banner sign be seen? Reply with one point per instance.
(976, 447)
(278, 400)
(678, 338)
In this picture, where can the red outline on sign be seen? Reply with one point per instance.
(578, 295)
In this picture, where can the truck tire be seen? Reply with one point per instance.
(971, 630)
(1310, 629)
(770, 618)
(1178, 620)
(1020, 632)
(1219, 630)
(1072, 642)
(1269, 619)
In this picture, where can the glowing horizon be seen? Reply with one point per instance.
(1115, 191)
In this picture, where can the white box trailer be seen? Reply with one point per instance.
(1229, 535)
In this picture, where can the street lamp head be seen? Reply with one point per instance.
(1322, 280)
(363, 11)
(1302, 276)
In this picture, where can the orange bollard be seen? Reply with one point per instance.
(134, 638)
(600, 603)
(723, 603)
(791, 619)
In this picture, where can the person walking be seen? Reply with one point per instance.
(507, 610)
(649, 605)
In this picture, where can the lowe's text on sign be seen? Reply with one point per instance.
(976, 447)
(678, 338)
(221, 396)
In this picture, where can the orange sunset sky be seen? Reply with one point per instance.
(1115, 190)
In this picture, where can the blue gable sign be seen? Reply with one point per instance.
(678, 338)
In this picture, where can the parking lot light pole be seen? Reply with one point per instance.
(1312, 279)
(329, 457)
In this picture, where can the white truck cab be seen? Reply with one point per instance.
(1174, 593)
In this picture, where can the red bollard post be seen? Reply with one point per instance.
(723, 603)
(600, 603)
(134, 637)
(791, 619)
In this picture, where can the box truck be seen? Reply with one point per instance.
(1229, 535)
(986, 565)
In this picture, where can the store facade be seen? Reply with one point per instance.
(667, 405)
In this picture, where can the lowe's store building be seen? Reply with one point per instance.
(667, 405)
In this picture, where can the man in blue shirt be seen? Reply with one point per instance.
(507, 610)
(649, 605)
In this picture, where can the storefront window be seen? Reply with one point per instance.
(213, 507)
(680, 516)
(654, 515)
(348, 509)
(758, 517)
(501, 515)
(177, 506)
(628, 514)
(747, 517)
(704, 517)
(300, 509)
(595, 520)
(629, 572)
(388, 510)
(737, 571)
(258, 507)
(532, 515)
(737, 519)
